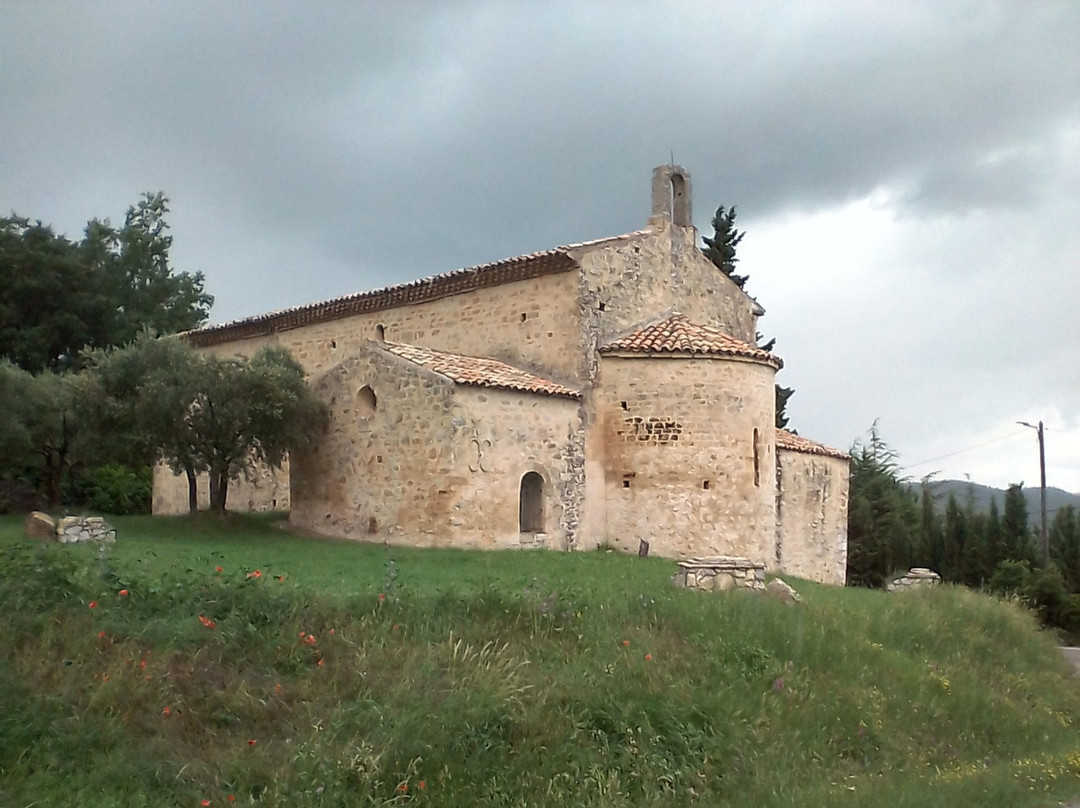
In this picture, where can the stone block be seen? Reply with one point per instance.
(40, 525)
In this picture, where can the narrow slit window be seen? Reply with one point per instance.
(757, 459)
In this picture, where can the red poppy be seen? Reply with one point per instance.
(218, 569)
(101, 634)
(206, 621)
(332, 631)
(626, 642)
(255, 574)
(319, 663)
(142, 664)
(310, 639)
(648, 657)
(382, 597)
(104, 677)
(205, 804)
(251, 741)
(279, 577)
(167, 711)
(123, 593)
(421, 785)
(92, 604)
(403, 788)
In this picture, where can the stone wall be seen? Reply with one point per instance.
(262, 489)
(812, 504)
(412, 458)
(674, 445)
(627, 282)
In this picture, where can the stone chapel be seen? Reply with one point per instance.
(606, 393)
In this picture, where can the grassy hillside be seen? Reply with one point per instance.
(318, 673)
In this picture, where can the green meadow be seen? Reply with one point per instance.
(225, 662)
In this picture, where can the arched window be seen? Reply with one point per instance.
(366, 402)
(380, 332)
(531, 504)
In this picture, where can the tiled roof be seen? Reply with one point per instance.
(478, 371)
(678, 335)
(796, 443)
(522, 267)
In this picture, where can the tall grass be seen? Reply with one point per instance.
(354, 675)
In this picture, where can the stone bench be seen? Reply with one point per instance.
(915, 577)
(720, 573)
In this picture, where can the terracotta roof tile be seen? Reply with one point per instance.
(797, 443)
(679, 335)
(477, 370)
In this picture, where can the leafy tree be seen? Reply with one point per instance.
(202, 413)
(58, 297)
(882, 516)
(720, 249)
(994, 551)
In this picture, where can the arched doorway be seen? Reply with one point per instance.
(531, 504)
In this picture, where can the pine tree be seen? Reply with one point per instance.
(720, 249)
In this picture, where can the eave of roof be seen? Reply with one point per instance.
(797, 443)
(677, 335)
(478, 371)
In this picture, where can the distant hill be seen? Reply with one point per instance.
(981, 495)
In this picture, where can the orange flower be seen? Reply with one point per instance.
(206, 621)
(92, 604)
(332, 631)
(255, 574)
(395, 627)
(101, 634)
(310, 639)
(205, 804)
(421, 785)
(218, 569)
(319, 663)
(382, 597)
(167, 711)
(279, 577)
(648, 657)
(123, 593)
(403, 788)
(142, 664)
(626, 642)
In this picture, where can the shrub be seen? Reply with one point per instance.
(115, 489)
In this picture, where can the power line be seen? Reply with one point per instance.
(961, 451)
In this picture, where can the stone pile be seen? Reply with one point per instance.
(915, 577)
(69, 529)
(720, 573)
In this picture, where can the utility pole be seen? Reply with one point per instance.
(1042, 491)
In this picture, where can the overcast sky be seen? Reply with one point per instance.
(907, 174)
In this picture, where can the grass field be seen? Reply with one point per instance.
(228, 663)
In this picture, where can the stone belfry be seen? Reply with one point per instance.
(671, 195)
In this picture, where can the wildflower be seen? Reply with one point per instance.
(403, 788)
(778, 684)
(123, 593)
(142, 664)
(251, 741)
(205, 804)
(382, 597)
(626, 642)
(395, 627)
(421, 785)
(332, 631)
(310, 639)
(206, 621)
(279, 577)
(319, 663)
(255, 574)
(101, 634)
(167, 711)
(648, 657)
(218, 569)
(104, 677)
(92, 604)
(231, 798)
